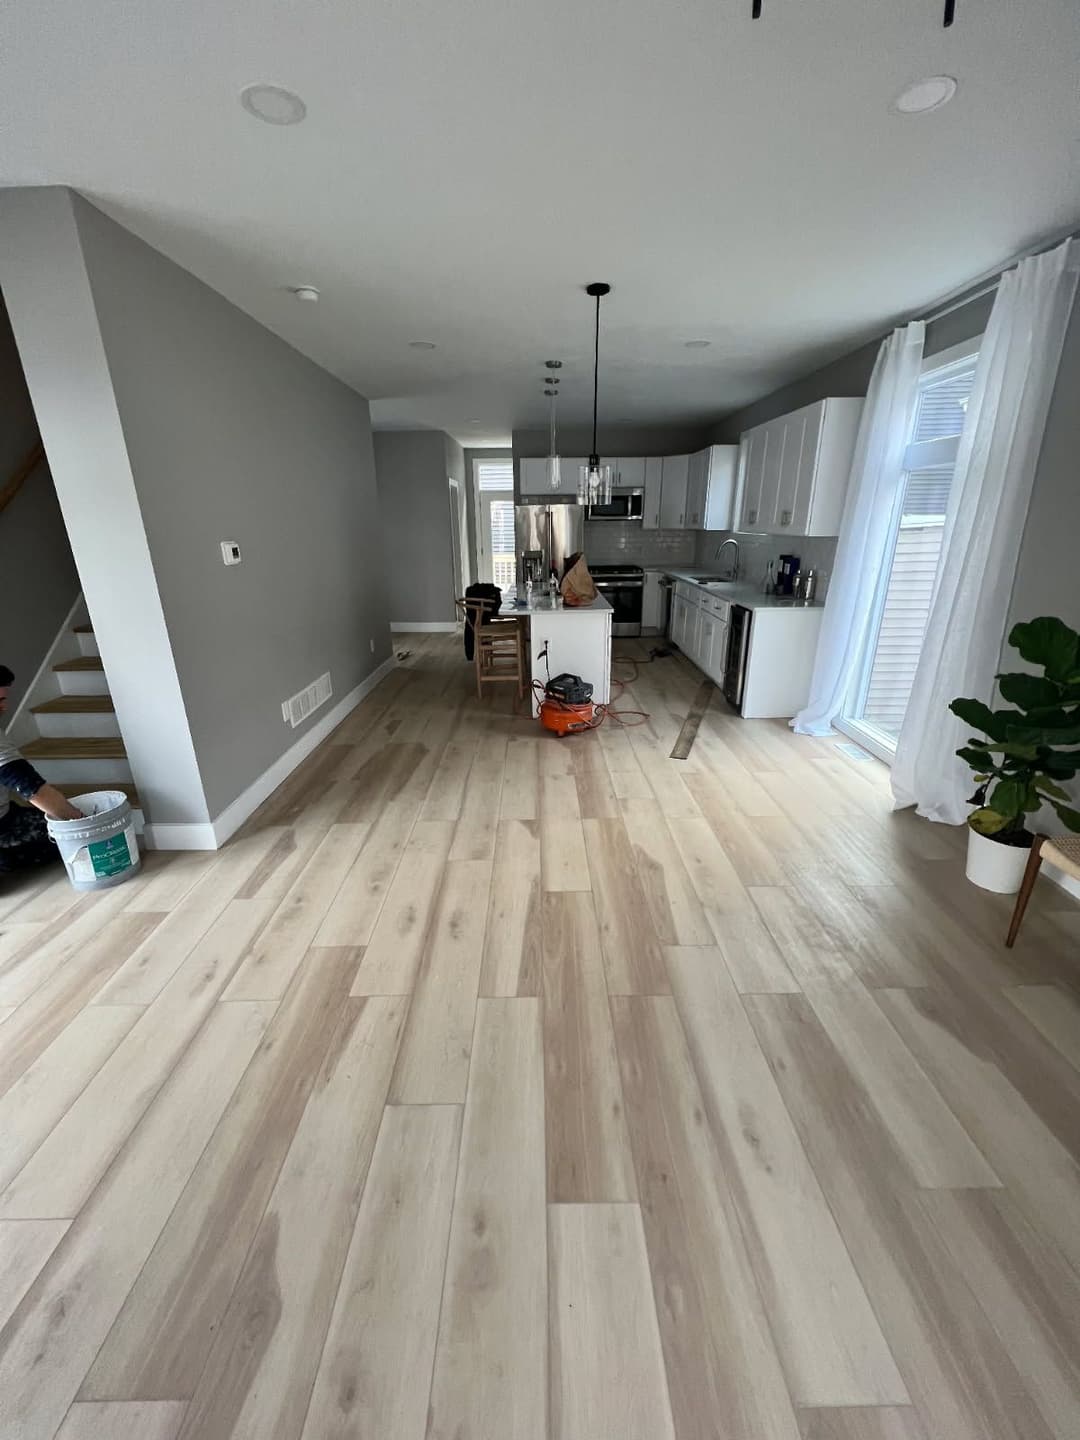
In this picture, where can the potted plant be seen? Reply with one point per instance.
(1024, 753)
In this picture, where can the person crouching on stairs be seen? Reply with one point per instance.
(24, 839)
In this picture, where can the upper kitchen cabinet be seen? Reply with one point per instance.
(654, 480)
(795, 469)
(674, 478)
(628, 473)
(710, 490)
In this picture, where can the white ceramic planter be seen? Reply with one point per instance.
(993, 866)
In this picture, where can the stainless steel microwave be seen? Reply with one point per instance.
(623, 505)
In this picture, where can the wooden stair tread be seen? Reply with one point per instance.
(83, 662)
(82, 747)
(85, 787)
(76, 705)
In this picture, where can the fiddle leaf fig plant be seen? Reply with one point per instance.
(1024, 753)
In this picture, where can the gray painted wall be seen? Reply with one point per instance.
(414, 499)
(39, 577)
(232, 434)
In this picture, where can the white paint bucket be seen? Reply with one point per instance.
(993, 866)
(100, 849)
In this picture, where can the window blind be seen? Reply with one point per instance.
(495, 474)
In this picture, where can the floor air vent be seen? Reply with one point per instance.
(307, 701)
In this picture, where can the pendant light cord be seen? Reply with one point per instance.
(595, 381)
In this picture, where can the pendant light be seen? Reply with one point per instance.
(594, 485)
(554, 466)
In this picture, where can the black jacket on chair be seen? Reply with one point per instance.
(492, 596)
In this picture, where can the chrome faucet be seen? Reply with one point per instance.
(720, 550)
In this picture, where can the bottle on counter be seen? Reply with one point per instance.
(769, 586)
(810, 585)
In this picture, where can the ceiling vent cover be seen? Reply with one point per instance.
(305, 702)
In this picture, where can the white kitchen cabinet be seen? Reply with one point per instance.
(711, 491)
(652, 602)
(796, 468)
(654, 480)
(696, 481)
(675, 476)
(680, 619)
(628, 473)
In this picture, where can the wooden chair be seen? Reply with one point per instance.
(498, 646)
(1062, 851)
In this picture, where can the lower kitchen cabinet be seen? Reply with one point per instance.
(652, 602)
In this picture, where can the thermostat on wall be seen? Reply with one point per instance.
(230, 552)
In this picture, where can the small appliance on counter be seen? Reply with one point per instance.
(785, 580)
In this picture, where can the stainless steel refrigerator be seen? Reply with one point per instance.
(545, 536)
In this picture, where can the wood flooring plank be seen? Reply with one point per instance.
(474, 835)
(588, 1147)
(563, 859)
(149, 968)
(595, 793)
(878, 955)
(1034, 1166)
(53, 1336)
(5, 1011)
(70, 1161)
(375, 1371)
(158, 1344)
(714, 878)
(258, 1378)
(50, 950)
(172, 879)
(490, 1372)
(44, 1092)
(1029, 1297)
(607, 1370)
(123, 1420)
(677, 913)
(884, 1422)
(752, 860)
(633, 956)
(433, 1063)
(15, 939)
(512, 939)
(447, 792)
(25, 1246)
(352, 913)
(958, 1374)
(750, 953)
(1054, 1013)
(808, 950)
(724, 1376)
(55, 1003)
(400, 933)
(520, 797)
(266, 970)
(559, 797)
(829, 1340)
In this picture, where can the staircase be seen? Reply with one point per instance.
(78, 746)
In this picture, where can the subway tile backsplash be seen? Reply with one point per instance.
(755, 552)
(611, 542)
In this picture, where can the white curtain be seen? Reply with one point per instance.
(872, 497)
(995, 469)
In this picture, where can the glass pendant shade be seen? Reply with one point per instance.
(554, 469)
(594, 483)
(554, 473)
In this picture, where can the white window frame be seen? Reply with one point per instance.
(917, 456)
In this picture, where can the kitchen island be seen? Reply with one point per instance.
(570, 639)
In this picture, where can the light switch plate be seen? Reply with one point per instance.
(230, 552)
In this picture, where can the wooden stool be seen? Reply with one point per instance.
(498, 646)
(1062, 851)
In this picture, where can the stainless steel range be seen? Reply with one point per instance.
(623, 587)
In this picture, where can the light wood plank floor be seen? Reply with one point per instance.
(490, 1086)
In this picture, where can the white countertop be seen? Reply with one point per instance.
(545, 612)
(738, 592)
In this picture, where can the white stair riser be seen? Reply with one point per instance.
(88, 644)
(83, 682)
(65, 772)
(66, 726)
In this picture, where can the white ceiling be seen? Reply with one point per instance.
(467, 166)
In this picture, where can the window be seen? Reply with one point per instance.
(913, 556)
(495, 528)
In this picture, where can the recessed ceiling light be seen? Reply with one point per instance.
(421, 344)
(697, 344)
(273, 104)
(472, 422)
(924, 95)
(307, 293)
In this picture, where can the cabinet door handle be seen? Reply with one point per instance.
(682, 516)
(785, 517)
(751, 517)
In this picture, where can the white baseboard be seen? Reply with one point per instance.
(211, 835)
(426, 627)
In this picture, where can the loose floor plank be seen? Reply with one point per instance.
(512, 935)
(588, 1148)
(373, 1378)
(25, 1245)
(833, 1350)
(724, 1376)
(397, 941)
(633, 956)
(433, 1064)
(159, 1342)
(607, 1370)
(56, 1331)
(490, 1375)
(123, 1420)
(258, 1378)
